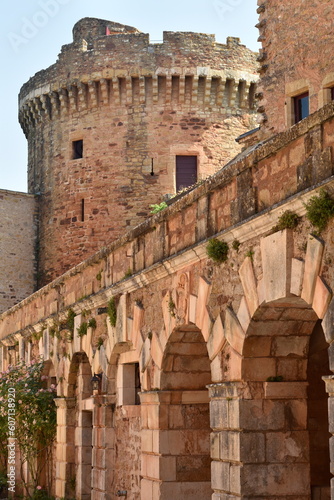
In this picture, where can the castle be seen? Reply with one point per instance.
(212, 381)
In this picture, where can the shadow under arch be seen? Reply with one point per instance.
(80, 430)
(284, 359)
(183, 419)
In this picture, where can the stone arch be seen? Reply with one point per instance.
(176, 422)
(264, 365)
(275, 368)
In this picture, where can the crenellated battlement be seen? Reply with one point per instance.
(113, 64)
(229, 90)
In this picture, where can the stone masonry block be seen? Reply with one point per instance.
(297, 270)
(207, 324)
(285, 390)
(233, 331)
(322, 298)
(262, 415)
(276, 251)
(138, 318)
(156, 350)
(217, 338)
(204, 289)
(192, 308)
(328, 323)
(313, 260)
(275, 480)
(220, 475)
(285, 447)
(252, 447)
(229, 446)
(145, 355)
(248, 281)
(219, 414)
(243, 314)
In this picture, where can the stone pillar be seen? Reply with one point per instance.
(329, 381)
(259, 440)
(103, 461)
(175, 445)
(84, 443)
(65, 452)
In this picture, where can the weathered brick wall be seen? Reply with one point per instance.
(127, 451)
(130, 102)
(296, 55)
(18, 231)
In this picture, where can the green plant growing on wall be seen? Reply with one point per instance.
(128, 273)
(320, 209)
(37, 335)
(288, 220)
(70, 320)
(53, 330)
(99, 343)
(82, 330)
(35, 420)
(157, 207)
(250, 254)
(92, 323)
(171, 307)
(99, 276)
(235, 245)
(277, 378)
(217, 250)
(112, 311)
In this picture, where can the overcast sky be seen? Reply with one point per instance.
(33, 32)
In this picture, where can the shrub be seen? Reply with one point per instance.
(320, 209)
(35, 418)
(157, 207)
(288, 220)
(235, 245)
(82, 330)
(70, 319)
(92, 323)
(217, 250)
(112, 311)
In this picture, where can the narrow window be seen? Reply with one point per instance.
(82, 210)
(186, 171)
(301, 107)
(332, 93)
(137, 384)
(128, 384)
(77, 149)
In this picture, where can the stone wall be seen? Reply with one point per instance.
(295, 57)
(18, 232)
(136, 106)
(247, 329)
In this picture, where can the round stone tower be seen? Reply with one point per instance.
(117, 123)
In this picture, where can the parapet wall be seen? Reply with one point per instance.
(136, 106)
(277, 172)
(18, 232)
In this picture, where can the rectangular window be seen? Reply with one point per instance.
(186, 171)
(77, 150)
(332, 93)
(301, 107)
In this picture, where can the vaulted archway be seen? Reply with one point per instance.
(176, 422)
